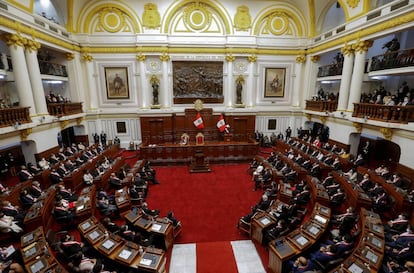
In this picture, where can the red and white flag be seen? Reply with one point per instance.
(221, 124)
(198, 121)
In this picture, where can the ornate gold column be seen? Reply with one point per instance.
(297, 90)
(34, 73)
(90, 76)
(360, 48)
(16, 43)
(348, 53)
(145, 93)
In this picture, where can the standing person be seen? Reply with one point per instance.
(103, 138)
(288, 133)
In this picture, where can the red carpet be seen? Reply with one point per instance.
(215, 257)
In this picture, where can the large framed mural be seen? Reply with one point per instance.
(194, 80)
(116, 79)
(274, 82)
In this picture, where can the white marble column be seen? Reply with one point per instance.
(93, 96)
(77, 82)
(230, 87)
(360, 49)
(3, 59)
(15, 42)
(250, 93)
(34, 73)
(347, 68)
(144, 83)
(165, 101)
(296, 99)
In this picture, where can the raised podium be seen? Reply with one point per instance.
(199, 164)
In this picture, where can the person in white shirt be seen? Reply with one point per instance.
(7, 224)
(88, 178)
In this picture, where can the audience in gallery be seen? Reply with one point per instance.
(403, 96)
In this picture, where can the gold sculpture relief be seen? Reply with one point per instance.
(301, 59)
(252, 58)
(362, 46)
(277, 23)
(87, 57)
(24, 134)
(141, 58)
(13, 40)
(198, 105)
(315, 58)
(165, 57)
(197, 17)
(358, 126)
(387, 133)
(31, 45)
(111, 19)
(347, 50)
(230, 58)
(151, 16)
(352, 3)
(242, 19)
(70, 56)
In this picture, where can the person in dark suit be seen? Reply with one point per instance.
(62, 171)
(35, 189)
(24, 174)
(301, 265)
(103, 138)
(109, 225)
(328, 180)
(63, 210)
(26, 199)
(67, 194)
(114, 181)
(366, 183)
(55, 177)
(302, 197)
(70, 246)
(337, 198)
(14, 211)
(359, 161)
(397, 225)
(32, 168)
(325, 254)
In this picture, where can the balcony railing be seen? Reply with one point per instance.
(321, 106)
(330, 70)
(395, 59)
(398, 114)
(14, 115)
(64, 109)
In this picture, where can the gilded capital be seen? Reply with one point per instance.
(87, 58)
(31, 45)
(362, 46)
(141, 57)
(252, 58)
(154, 79)
(308, 116)
(300, 59)
(230, 58)
(386, 132)
(315, 58)
(13, 40)
(165, 57)
(63, 124)
(79, 120)
(24, 134)
(358, 126)
(70, 56)
(347, 50)
(323, 119)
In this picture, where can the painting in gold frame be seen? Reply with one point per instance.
(274, 83)
(116, 82)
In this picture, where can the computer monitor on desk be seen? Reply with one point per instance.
(38, 265)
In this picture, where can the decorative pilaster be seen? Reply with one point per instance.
(347, 52)
(16, 43)
(230, 59)
(77, 79)
(250, 92)
(32, 48)
(24, 134)
(360, 49)
(358, 126)
(165, 102)
(145, 95)
(93, 96)
(297, 90)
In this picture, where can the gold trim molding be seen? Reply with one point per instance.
(386, 132)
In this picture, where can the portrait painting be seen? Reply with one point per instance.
(116, 82)
(121, 127)
(274, 82)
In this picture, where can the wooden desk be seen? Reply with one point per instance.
(280, 250)
(300, 240)
(259, 223)
(122, 200)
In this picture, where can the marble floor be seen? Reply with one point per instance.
(184, 258)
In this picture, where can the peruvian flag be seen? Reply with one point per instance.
(198, 121)
(221, 124)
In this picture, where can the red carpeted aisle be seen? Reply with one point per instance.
(215, 257)
(209, 205)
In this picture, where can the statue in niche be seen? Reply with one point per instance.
(155, 89)
(239, 89)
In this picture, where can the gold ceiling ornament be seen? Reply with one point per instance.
(362, 46)
(230, 58)
(13, 40)
(198, 105)
(141, 57)
(358, 126)
(24, 134)
(32, 45)
(300, 59)
(154, 79)
(277, 23)
(252, 58)
(197, 17)
(87, 57)
(242, 19)
(165, 57)
(111, 19)
(315, 58)
(352, 3)
(240, 79)
(347, 50)
(308, 116)
(386, 132)
(151, 17)
(70, 56)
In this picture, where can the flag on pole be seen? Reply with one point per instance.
(221, 124)
(198, 121)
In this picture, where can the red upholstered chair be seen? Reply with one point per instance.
(200, 139)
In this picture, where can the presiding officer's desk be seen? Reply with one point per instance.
(300, 239)
(37, 255)
(119, 250)
(162, 230)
